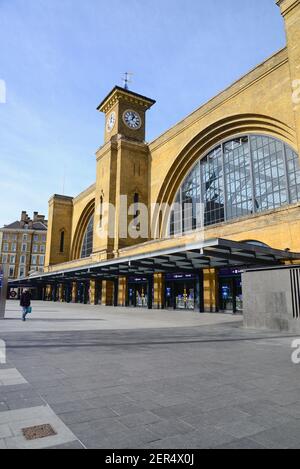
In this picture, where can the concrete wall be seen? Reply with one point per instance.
(267, 296)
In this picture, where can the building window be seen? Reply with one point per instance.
(14, 237)
(34, 260)
(42, 248)
(14, 247)
(44, 238)
(6, 236)
(136, 203)
(87, 245)
(4, 258)
(22, 271)
(243, 176)
(36, 238)
(35, 248)
(23, 260)
(11, 271)
(5, 247)
(25, 237)
(12, 259)
(136, 208)
(42, 260)
(24, 247)
(101, 212)
(62, 242)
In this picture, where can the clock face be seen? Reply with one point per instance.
(111, 121)
(132, 119)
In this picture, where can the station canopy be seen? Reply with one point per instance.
(216, 253)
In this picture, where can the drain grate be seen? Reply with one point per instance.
(39, 431)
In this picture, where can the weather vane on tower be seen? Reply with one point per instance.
(127, 79)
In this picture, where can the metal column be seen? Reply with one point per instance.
(3, 290)
(150, 291)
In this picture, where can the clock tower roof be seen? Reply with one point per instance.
(121, 94)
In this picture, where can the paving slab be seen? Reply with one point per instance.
(17, 420)
(127, 378)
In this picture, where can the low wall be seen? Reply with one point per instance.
(272, 299)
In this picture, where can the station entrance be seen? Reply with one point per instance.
(137, 292)
(230, 290)
(181, 291)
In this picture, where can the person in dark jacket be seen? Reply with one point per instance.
(25, 303)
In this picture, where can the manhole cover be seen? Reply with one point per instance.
(40, 431)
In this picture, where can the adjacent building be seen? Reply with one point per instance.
(237, 156)
(23, 245)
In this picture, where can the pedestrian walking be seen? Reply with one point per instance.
(25, 303)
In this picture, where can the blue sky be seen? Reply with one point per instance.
(59, 59)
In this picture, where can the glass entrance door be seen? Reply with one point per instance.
(180, 293)
(141, 296)
(231, 298)
(138, 295)
(185, 295)
(226, 300)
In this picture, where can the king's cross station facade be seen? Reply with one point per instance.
(221, 188)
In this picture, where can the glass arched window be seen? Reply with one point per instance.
(87, 245)
(245, 175)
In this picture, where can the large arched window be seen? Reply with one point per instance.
(246, 175)
(87, 245)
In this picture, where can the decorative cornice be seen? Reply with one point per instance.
(130, 144)
(287, 6)
(120, 94)
(62, 198)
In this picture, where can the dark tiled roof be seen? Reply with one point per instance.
(16, 225)
(39, 226)
(13, 226)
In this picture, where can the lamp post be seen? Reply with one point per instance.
(3, 289)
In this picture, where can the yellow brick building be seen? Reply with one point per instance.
(23, 246)
(237, 157)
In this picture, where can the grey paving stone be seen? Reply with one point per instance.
(3, 407)
(269, 420)
(24, 418)
(121, 440)
(282, 437)
(126, 409)
(179, 410)
(2, 444)
(140, 418)
(24, 403)
(109, 401)
(74, 406)
(225, 415)
(169, 427)
(206, 439)
(103, 428)
(5, 431)
(72, 445)
(241, 429)
(163, 387)
(87, 415)
(243, 443)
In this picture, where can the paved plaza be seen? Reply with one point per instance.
(128, 378)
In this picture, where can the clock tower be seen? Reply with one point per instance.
(123, 167)
(125, 113)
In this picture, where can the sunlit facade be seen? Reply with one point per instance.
(231, 172)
